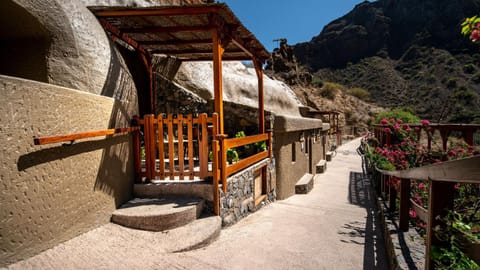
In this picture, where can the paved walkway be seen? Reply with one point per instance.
(332, 227)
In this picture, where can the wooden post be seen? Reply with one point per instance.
(392, 195)
(270, 144)
(223, 161)
(136, 151)
(444, 133)
(261, 97)
(468, 136)
(217, 78)
(216, 175)
(440, 198)
(152, 88)
(150, 146)
(404, 204)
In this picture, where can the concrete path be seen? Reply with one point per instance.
(335, 226)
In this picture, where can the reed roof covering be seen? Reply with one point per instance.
(184, 32)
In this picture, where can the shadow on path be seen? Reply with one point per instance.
(369, 234)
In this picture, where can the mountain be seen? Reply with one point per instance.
(405, 53)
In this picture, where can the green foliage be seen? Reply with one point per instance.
(471, 28)
(451, 83)
(452, 259)
(469, 68)
(232, 155)
(240, 134)
(359, 93)
(329, 90)
(317, 82)
(404, 114)
(249, 149)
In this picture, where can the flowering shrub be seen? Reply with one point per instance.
(471, 28)
(406, 151)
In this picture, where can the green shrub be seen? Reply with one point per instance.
(451, 83)
(329, 90)
(404, 114)
(317, 82)
(359, 93)
(469, 68)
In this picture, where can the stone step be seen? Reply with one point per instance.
(158, 214)
(198, 189)
(329, 156)
(196, 234)
(321, 166)
(305, 184)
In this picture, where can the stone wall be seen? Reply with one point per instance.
(298, 145)
(239, 200)
(55, 192)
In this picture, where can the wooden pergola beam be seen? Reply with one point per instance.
(189, 52)
(171, 29)
(170, 11)
(174, 42)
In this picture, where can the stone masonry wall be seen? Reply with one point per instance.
(55, 192)
(239, 200)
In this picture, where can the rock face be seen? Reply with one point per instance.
(388, 28)
(405, 53)
(188, 88)
(239, 86)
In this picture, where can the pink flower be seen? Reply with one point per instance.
(475, 35)
(412, 213)
(386, 129)
(421, 186)
(384, 121)
(452, 153)
(457, 186)
(425, 122)
(475, 230)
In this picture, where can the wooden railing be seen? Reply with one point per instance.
(82, 135)
(445, 130)
(442, 178)
(221, 168)
(174, 147)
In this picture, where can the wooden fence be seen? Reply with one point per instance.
(445, 130)
(442, 178)
(221, 168)
(174, 147)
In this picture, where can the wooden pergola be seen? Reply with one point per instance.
(207, 32)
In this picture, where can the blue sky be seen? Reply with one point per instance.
(298, 21)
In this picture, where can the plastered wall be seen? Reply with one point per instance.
(297, 148)
(52, 193)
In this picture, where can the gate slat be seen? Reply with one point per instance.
(161, 147)
(191, 163)
(204, 146)
(171, 146)
(181, 160)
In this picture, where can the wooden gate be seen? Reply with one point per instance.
(174, 147)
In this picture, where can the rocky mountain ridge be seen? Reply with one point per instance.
(405, 53)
